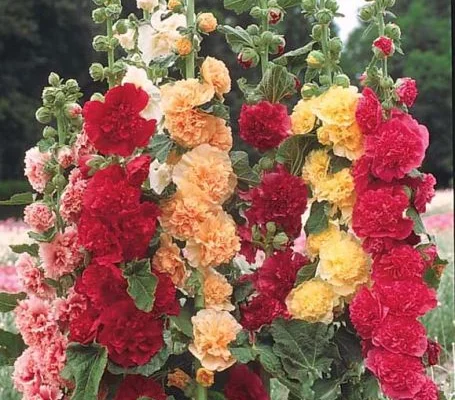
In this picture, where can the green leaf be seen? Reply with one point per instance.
(431, 278)
(237, 37)
(295, 59)
(242, 291)
(338, 163)
(8, 301)
(276, 83)
(11, 347)
(141, 284)
(370, 387)
(239, 6)
(348, 346)
(45, 144)
(269, 360)
(183, 322)
(160, 147)
(289, 3)
(31, 249)
(303, 348)
(250, 91)
(19, 199)
(318, 220)
(293, 151)
(212, 395)
(306, 273)
(46, 237)
(327, 389)
(241, 167)
(85, 364)
(155, 364)
(243, 354)
(419, 227)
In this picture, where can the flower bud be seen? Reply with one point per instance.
(316, 32)
(271, 227)
(366, 13)
(324, 80)
(43, 115)
(49, 132)
(315, 59)
(97, 97)
(48, 95)
(342, 80)
(275, 16)
(205, 377)
(248, 58)
(387, 82)
(72, 86)
(99, 15)
(393, 31)
(256, 12)
(309, 5)
(183, 46)
(96, 72)
(253, 29)
(383, 47)
(280, 240)
(256, 233)
(309, 90)
(335, 45)
(73, 110)
(100, 43)
(174, 5)
(332, 5)
(267, 37)
(121, 26)
(324, 16)
(59, 182)
(265, 163)
(54, 79)
(113, 10)
(60, 99)
(207, 22)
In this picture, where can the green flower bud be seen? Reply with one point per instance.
(257, 12)
(49, 132)
(73, 110)
(332, 5)
(342, 80)
(121, 26)
(100, 43)
(72, 86)
(113, 10)
(43, 115)
(277, 40)
(60, 99)
(309, 5)
(265, 163)
(59, 182)
(99, 2)
(393, 31)
(324, 16)
(99, 15)
(253, 29)
(249, 55)
(316, 32)
(273, 3)
(271, 227)
(309, 90)
(315, 59)
(335, 45)
(48, 95)
(256, 234)
(54, 79)
(267, 37)
(366, 13)
(96, 72)
(97, 97)
(280, 240)
(387, 82)
(324, 80)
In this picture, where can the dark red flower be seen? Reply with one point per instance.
(166, 301)
(384, 45)
(376, 246)
(280, 198)
(369, 112)
(134, 387)
(397, 147)
(115, 126)
(361, 172)
(378, 212)
(429, 391)
(424, 190)
(137, 170)
(247, 248)
(132, 337)
(264, 125)
(433, 352)
(406, 299)
(84, 326)
(401, 335)
(400, 376)
(407, 91)
(366, 312)
(262, 310)
(402, 262)
(244, 384)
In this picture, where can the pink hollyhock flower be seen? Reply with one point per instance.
(35, 163)
(35, 320)
(65, 157)
(366, 312)
(401, 335)
(384, 45)
(53, 359)
(264, 125)
(429, 391)
(71, 201)
(369, 112)
(62, 255)
(407, 91)
(32, 278)
(244, 384)
(397, 147)
(26, 377)
(70, 307)
(9, 282)
(300, 244)
(39, 217)
(82, 147)
(400, 376)
(378, 212)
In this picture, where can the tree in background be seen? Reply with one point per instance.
(428, 61)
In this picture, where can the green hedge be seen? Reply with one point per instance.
(7, 189)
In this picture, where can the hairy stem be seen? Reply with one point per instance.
(264, 27)
(110, 53)
(190, 20)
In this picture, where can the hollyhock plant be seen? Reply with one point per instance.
(32, 278)
(244, 384)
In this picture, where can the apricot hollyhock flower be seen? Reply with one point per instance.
(302, 117)
(167, 260)
(215, 73)
(213, 332)
(312, 301)
(205, 377)
(183, 46)
(217, 292)
(185, 94)
(178, 378)
(206, 172)
(207, 22)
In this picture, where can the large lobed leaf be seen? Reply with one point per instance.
(141, 284)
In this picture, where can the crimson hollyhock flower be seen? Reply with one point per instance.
(378, 212)
(84, 326)
(361, 172)
(132, 336)
(366, 312)
(400, 376)
(379, 245)
(384, 45)
(398, 147)
(244, 384)
(166, 301)
(402, 262)
(247, 248)
(369, 112)
(280, 198)
(137, 170)
(262, 310)
(264, 125)
(433, 352)
(424, 190)
(401, 335)
(429, 391)
(406, 299)
(407, 91)
(116, 126)
(134, 387)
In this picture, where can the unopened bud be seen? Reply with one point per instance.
(248, 58)
(99, 15)
(280, 240)
(54, 79)
(265, 163)
(367, 12)
(72, 86)
(342, 80)
(257, 12)
(393, 31)
(253, 29)
(387, 82)
(59, 181)
(275, 16)
(335, 45)
(97, 97)
(309, 5)
(48, 95)
(271, 227)
(332, 5)
(73, 110)
(309, 90)
(113, 10)
(316, 32)
(49, 132)
(60, 99)
(121, 26)
(324, 80)
(324, 16)
(43, 115)
(101, 43)
(96, 72)
(315, 59)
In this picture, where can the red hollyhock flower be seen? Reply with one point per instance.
(84, 326)
(262, 310)
(423, 190)
(132, 337)
(280, 198)
(377, 246)
(401, 263)
(137, 170)
(366, 312)
(134, 387)
(406, 299)
(433, 352)
(165, 296)
(247, 248)
(401, 335)
(116, 126)
(400, 376)
(379, 212)
(384, 45)
(397, 147)
(429, 391)
(407, 91)
(278, 273)
(361, 172)
(369, 112)
(264, 125)
(244, 384)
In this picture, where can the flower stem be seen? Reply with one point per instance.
(189, 60)
(264, 28)
(325, 47)
(381, 29)
(110, 53)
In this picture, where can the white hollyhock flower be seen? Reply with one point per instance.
(138, 77)
(147, 5)
(126, 40)
(160, 175)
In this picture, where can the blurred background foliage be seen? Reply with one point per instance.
(39, 36)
